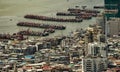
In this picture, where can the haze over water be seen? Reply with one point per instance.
(13, 11)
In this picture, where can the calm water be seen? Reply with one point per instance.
(12, 12)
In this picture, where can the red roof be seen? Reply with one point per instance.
(46, 68)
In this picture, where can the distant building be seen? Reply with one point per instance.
(43, 45)
(31, 49)
(101, 38)
(100, 20)
(68, 42)
(90, 64)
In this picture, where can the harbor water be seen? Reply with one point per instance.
(13, 11)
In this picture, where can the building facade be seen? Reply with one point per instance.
(100, 20)
(97, 49)
(113, 27)
(94, 64)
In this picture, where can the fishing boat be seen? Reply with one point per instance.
(78, 15)
(84, 17)
(67, 14)
(38, 25)
(12, 36)
(45, 18)
(75, 14)
(75, 10)
(29, 32)
(98, 7)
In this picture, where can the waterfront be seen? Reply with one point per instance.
(87, 50)
(12, 12)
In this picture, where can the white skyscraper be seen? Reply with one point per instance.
(97, 49)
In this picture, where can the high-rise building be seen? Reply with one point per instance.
(100, 20)
(90, 64)
(97, 49)
(112, 8)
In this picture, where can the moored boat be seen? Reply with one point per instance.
(67, 14)
(76, 14)
(45, 18)
(49, 30)
(33, 33)
(12, 36)
(84, 17)
(99, 7)
(38, 25)
(29, 32)
(75, 10)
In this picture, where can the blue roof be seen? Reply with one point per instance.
(29, 57)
